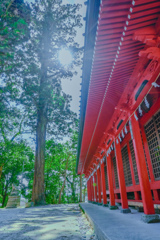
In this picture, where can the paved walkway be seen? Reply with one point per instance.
(113, 225)
(58, 222)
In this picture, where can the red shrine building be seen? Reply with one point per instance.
(119, 132)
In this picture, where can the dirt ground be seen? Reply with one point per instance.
(59, 222)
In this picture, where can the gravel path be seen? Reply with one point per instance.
(59, 222)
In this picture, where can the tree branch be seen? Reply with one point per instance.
(19, 132)
(3, 133)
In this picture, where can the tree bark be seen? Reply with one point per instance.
(1, 168)
(38, 193)
(5, 194)
(73, 190)
(62, 188)
(80, 188)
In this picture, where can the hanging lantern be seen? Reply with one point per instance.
(135, 116)
(120, 139)
(125, 129)
(140, 111)
(154, 84)
(146, 102)
(122, 134)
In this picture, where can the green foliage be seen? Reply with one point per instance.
(13, 28)
(55, 168)
(36, 73)
(31, 95)
(19, 159)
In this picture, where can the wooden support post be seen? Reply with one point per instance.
(103, 184)
(155, 194)
(89, 189)
(92, 192)
(88, 194)
(142, 168)
(131, 165)
(95, 187)
(99, 185)
(121, 178)
(137, 196)
(116, 196)
(110, 184)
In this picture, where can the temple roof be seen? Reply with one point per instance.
(112, 49)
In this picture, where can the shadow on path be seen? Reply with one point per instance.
(59, 222)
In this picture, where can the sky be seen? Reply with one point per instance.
(73, 87)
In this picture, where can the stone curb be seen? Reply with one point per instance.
(98, 232)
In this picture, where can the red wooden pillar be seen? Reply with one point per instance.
(93, 198)
(155, 194)
(91, 189)
(110, 184)
(121, 178)
(99, 185)
(88, 189)
(95, 187)
(91, 183)
(142, 168)
(136, 195)
(90, 193)
(103, 184)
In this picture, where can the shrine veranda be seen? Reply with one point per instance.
(119, 132)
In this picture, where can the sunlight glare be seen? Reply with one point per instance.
(65, 57)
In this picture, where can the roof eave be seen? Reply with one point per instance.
(90, 34)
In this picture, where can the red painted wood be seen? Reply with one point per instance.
(103, 184)
(155, 185)
(110, 181)
(92, 190)
(88, 189)
(142, 169)
(121, 178)
(99, 185)
(147, 154)
(90, 196)
(131, 165)
(156, 196)
(151, 112)
(137, 196)
(95, 188)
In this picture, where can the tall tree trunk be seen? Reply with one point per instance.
(4, 200)
(1, 168)
(80, 188)
(65, 175)
(38, 193)
(72, 188)
(5, 194)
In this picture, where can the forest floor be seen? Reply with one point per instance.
(51, 222)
